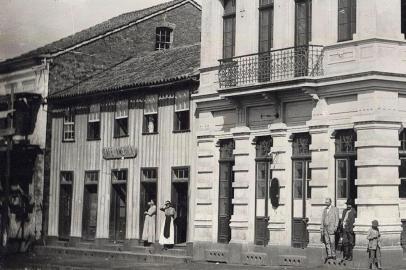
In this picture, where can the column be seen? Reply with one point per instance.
(240, 218)
(280, 218)
(378, 180)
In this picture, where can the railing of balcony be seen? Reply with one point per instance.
(276, 65)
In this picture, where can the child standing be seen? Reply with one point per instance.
(374, 245)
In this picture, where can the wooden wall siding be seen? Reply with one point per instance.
(163, 150)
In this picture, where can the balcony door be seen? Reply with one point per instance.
(301, 177)
(262, 179)
(303, 25)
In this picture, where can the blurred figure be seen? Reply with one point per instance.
(148, 233)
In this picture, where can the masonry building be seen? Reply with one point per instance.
(298, 100)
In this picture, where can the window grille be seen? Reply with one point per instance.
(119, 176)
(180, 174)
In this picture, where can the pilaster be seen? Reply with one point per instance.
(239, 222)
(378, 180)
(319, 165)
(280, 217)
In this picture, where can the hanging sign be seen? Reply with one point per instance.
(119, 152)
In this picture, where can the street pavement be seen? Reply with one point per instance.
(31, 262)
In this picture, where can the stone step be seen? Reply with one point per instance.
(166, 256)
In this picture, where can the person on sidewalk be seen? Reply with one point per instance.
(167, 237)
(348, 220)
(148, 232)
(328, 228)
(374, 245)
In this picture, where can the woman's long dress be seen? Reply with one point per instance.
(148, 233)
(167, 236)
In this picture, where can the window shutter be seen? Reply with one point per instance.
(151, 104)
(182, 101)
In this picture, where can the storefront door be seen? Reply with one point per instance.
(301, 177)
(65, 204)
(180, 200)
(118, 211)
(89, 220)
(226, 178)
(262, 179)
(147, 193)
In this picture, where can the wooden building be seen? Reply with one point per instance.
(119, 139)
(298, 100)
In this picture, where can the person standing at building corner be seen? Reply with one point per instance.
(329, 225)
(167, 237)
(348, 220)
(148, 232)
(374, 245)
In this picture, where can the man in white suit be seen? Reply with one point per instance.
(329, 225)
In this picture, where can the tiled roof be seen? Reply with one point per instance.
(155, 68)
(99, 29)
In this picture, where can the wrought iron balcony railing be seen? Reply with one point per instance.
(276, 65)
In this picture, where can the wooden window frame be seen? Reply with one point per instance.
(92, 181)
(150, 115)
(119, 181)
(164, 36)
(68, 130)
(309, 10)
(176, 179)
(94, 123)
(64, 182)
(349, 26)
(149, 179)
(181, 116)
(121, 119)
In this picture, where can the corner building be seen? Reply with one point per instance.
(298, 100)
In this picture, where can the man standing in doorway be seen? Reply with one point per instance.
(348, 229)
(329, 225)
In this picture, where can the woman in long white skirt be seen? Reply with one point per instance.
(148, 232)
(167, 237)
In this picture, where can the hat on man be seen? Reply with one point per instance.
(167, 202)
(375, 223)
(350, 202)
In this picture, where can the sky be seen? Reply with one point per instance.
(29, 24)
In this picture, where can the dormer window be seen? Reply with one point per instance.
(163, 38)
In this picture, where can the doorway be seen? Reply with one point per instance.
(301, 177)
(180, 200)
(148, 192)
(226, 193)
(90, 203)
(118, 204)
(65, 205)
(263, 176)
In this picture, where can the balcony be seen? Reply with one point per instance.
(272, 66)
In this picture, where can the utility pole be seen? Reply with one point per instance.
(9, 140)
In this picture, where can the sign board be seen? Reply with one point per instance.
(119, 152)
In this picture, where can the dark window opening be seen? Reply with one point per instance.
(149, 174)
(93, 124)
(403, 16)
(163, 38)
(347, 16)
